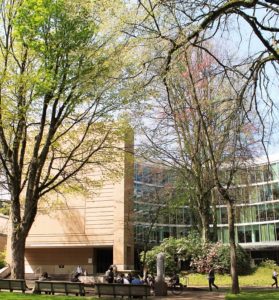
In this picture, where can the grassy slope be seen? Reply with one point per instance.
(260, 277)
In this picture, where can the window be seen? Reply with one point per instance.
(276, 211)
(255, 233)
(271, 229)
(248, 234)
(262, 213)
(225, 235)
(224, 215)
(241, 234)
(264, 233)
(275, 191)
(270, 212)
(253, 213)
(275, 171)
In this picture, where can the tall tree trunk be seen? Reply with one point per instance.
(214, 237)
(205, 225)
(17, 251)
(234, 275)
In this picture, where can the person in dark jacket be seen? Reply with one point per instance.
(211, 279)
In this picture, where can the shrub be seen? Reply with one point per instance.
(243, 260)
(268, 263)
(174, 250)
(218, 255)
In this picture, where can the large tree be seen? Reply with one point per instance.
(248, 28)
(61, 69)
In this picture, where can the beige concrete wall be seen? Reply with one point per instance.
(58, 260)
(68, 227)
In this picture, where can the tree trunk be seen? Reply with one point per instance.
(205, 226)
(234, 275)
(18, 251)
(214, 237)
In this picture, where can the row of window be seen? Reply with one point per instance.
(253, 194)
(259, 233)
(154, 175)
(158, 175)
(258, 174)
(247, 214)
(158, 233)
(252, 233)
(262, 212)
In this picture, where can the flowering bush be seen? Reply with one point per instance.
(218, 256)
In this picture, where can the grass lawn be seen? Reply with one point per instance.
(260, 277)
(15, 296)
(255, 295)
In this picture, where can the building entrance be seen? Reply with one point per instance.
(104, 258)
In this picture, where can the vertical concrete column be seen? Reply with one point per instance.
(123, 248)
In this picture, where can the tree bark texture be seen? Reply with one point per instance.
(18, 252)
(234, 274)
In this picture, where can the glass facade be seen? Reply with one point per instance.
(257, 206)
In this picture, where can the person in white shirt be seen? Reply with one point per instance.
(274, 277)
(79, 271)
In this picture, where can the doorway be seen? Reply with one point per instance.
(104, 259)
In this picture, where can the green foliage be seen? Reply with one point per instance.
(202, 255)
(174, 250)
(259, 277)
(268, 263)
(5, 208)
(2, 259)
(243, 259)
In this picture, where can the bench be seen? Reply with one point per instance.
(118, 289)
(62, 287)
(13, 285)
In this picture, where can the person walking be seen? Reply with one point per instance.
(211, 279)
(274, 277)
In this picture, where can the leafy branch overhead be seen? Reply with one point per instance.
(63, 75)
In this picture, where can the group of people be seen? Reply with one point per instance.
(112, 276)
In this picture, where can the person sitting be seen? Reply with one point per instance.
(79, 270)
(119, 278)
(136, 280)
(76, 277)
(44, 276)
(125, 280)
(129, 277)
(109, 276)
(150, 280)
(175, 279)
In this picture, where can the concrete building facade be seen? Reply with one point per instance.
(92, 229)
(256, 191)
